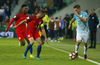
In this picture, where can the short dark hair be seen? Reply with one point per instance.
(24, 5)
(42, 11)
(77, 6)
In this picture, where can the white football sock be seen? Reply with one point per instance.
(76, 48)
(85, 50)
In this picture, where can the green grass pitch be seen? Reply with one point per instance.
(11, 53)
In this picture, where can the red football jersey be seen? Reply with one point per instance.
(18, 18)
(33, 23)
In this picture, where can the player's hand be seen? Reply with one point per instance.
(46, 41)
(15, 26)
(76, 13)
(69, 26)
(6, 30)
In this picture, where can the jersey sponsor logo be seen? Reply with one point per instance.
(27, 17)
(33, 21)
(14, 16)
(19, 38)
(28, 35)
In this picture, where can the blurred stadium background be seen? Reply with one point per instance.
(55, 8)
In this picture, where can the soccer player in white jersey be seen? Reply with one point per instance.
(82, 29)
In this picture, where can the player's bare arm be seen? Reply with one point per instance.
(12, 20)
(72, 20)
(44, 34)
(82, 19)
(20, 23)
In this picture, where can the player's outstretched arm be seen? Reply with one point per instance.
(20, 23)
(44, 33)
(72, 20)
(12, 20)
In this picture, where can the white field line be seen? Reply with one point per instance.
(69, 53)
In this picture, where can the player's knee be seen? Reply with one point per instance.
(85, 44)
(78, 42)
(39, 43)
(31, 42)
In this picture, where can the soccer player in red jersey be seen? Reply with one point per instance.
(33, 22)
(21, 30)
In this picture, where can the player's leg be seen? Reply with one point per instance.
(85, 50)
(31, 49)
(25, 36)
(28, 43)
(31, 40)
(79, 40)
(38, 40)
(77, 47)
(85, 40)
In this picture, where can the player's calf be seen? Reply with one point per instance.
(85, 50)
(76, 48)
(31, 40)
(28, 46)
(38, 40)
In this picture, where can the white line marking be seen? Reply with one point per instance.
(69, 53)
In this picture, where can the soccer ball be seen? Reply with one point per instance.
(72, 56)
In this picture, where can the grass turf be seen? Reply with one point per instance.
(11, 53)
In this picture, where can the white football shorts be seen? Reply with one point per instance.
(83, 36)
